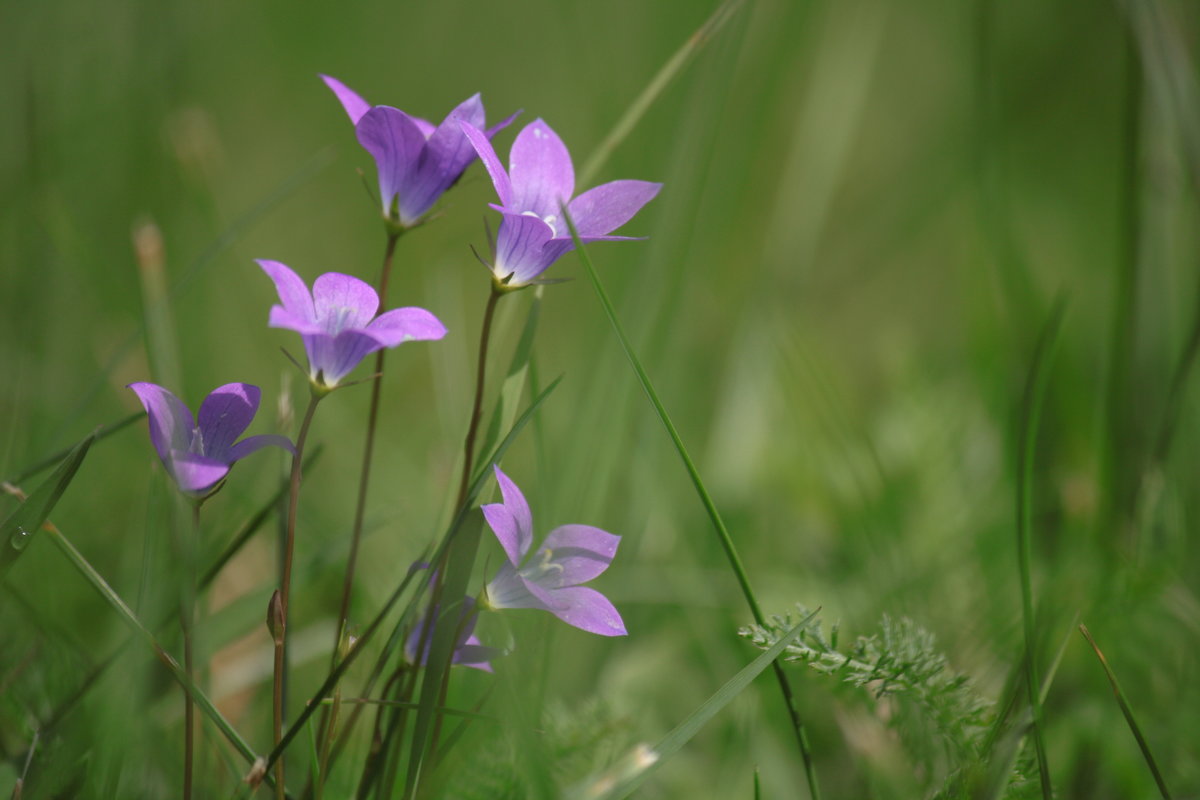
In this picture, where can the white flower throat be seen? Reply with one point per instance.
(549, 219)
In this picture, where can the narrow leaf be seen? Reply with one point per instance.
(103, 432)
(17, 531)
(638, 108)
(722, 532)
(1031, 412)
(1130, 719)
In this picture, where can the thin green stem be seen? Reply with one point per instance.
(638, 108)
(727, 545)
(477, 407)
(187, 615)
(1126, 452)
(364, 478)
(103, 432)
(1130, 720)
(1031, 411)
(275, 622)
(360, 504)
(285, 583)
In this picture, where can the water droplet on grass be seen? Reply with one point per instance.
(20, 538)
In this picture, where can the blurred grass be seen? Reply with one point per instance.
(826, 303)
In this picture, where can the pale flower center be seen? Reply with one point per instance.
(541, 567)
(337, 319)
(549, 219)
(196, 445)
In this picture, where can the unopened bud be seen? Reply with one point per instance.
(275, 623)
(346, 645)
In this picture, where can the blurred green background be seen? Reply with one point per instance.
(868, 210)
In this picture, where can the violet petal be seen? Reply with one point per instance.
(541, 171)
(224, 416)
(516, 504)
(351, 101)
(395, 142)
(196, 474)
(610, 205)
(343, 302)
(487, 155)
(252, 444)
(171, 423)
(520, 246)
(584, 608)
(334, 357)
(293, 291)
(405, 324)
(578, 553)
(501, 125)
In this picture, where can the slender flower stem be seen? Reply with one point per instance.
(368, 452)
(477, 409)
(275, 616)
(726, 540)
(360, 506)
(285, 583)
(187, 615)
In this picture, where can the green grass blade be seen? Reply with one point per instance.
(1031, 411)
(514, 380)
(727, 545)
(1130, 719)
(131, 619)
(674, 741)
(989, 776)
(103, 432)
(18, 530)
(658, 83)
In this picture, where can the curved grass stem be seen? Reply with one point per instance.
(1130, 719)
(1031, 411)
(727, 545)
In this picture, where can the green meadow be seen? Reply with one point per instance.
(919, 299)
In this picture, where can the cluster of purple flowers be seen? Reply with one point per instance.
(340, 324)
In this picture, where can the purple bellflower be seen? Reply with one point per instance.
(540, 177)
(337, 321)
(550, 579)
(468, 650)
(416, 160)
(199, 452)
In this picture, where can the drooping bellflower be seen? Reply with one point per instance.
(198, 452)
(570, 555)
(337, 321)
(416, 160)
(468, 650)
(540, 177)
